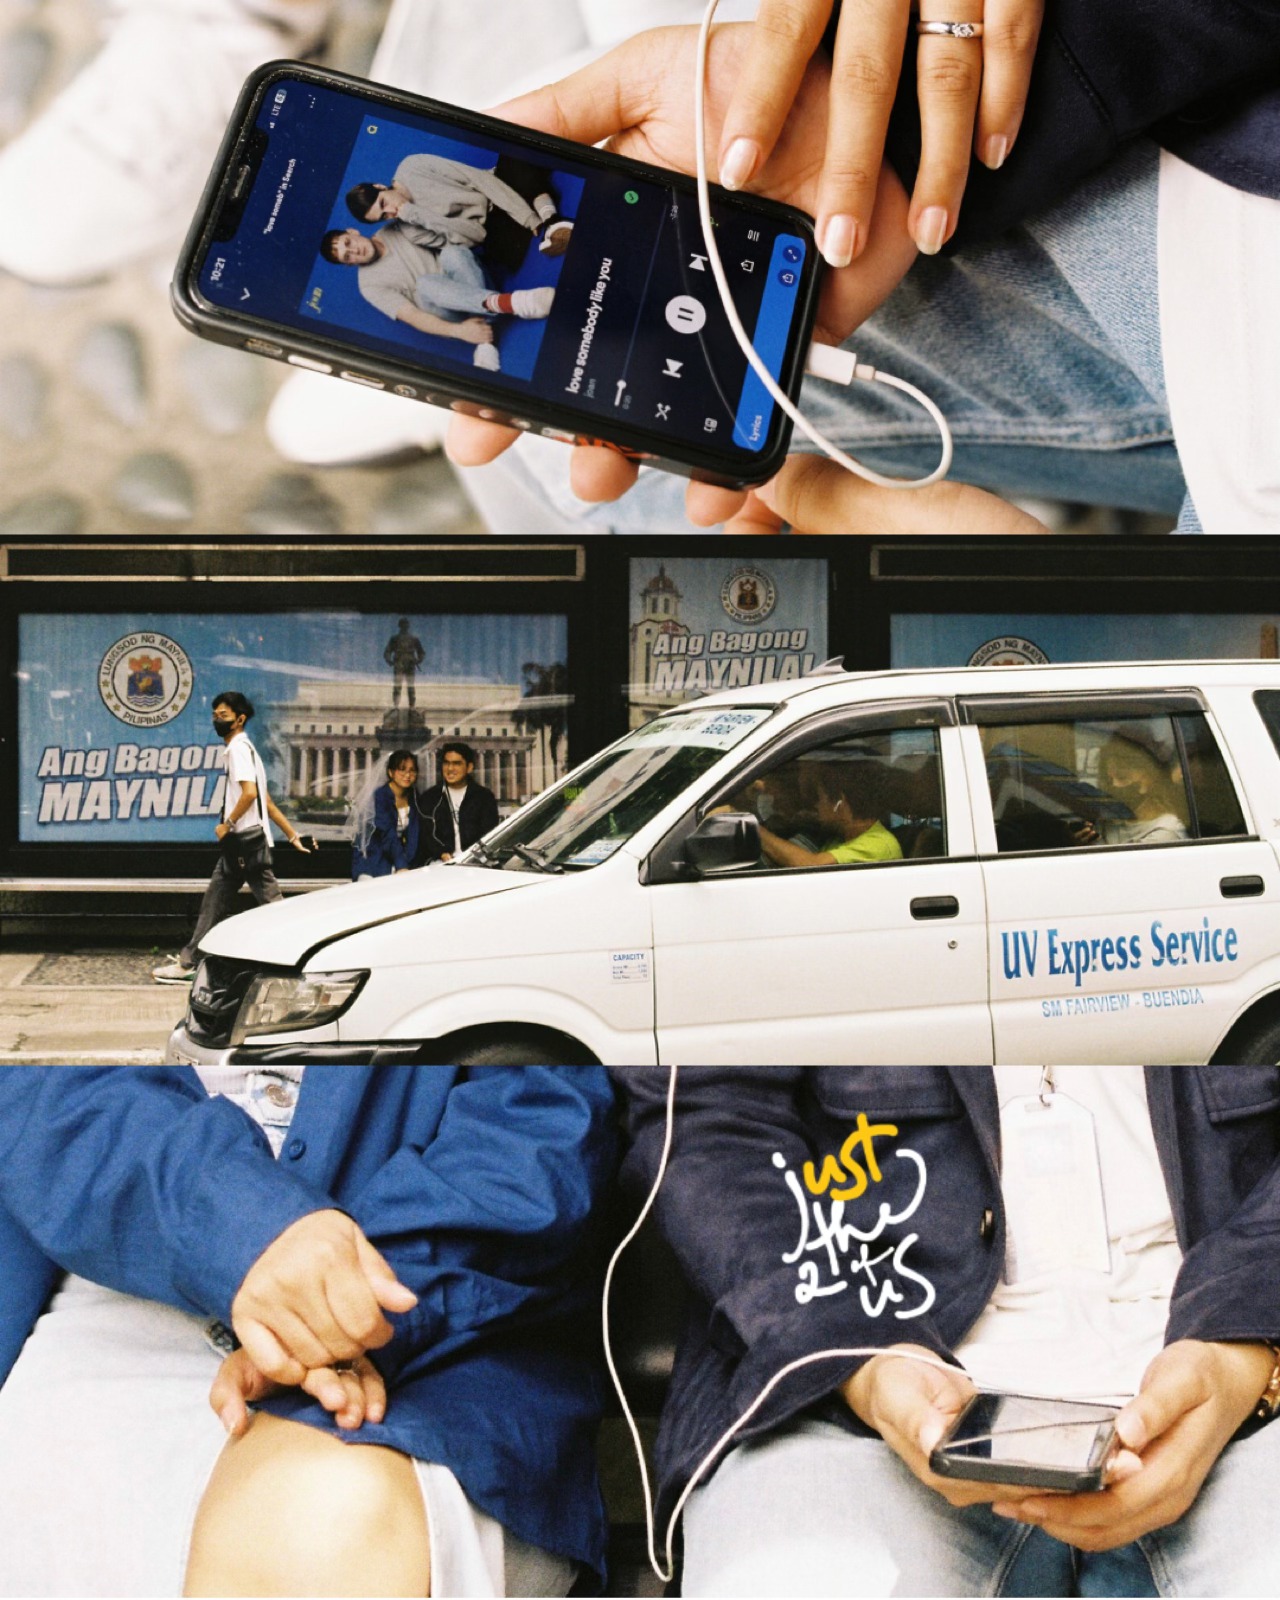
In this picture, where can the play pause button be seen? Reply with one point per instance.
(685, 314)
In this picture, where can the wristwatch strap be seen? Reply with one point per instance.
(1268, 1406)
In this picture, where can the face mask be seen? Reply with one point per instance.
(223, 727)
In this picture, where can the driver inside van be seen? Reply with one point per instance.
(847, 802)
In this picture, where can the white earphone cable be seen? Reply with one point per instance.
(721, 1444)
(824, 361)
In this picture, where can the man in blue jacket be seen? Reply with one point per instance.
(420, 1237)
(1105, 1233)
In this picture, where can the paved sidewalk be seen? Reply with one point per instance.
(115, 420)
(85, 1007)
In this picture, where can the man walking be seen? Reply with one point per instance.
(455, 812)
(244, 835)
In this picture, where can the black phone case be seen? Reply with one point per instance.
(456, 390)
(1017, 1475)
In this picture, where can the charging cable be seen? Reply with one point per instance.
(824, 361)
(727, 1438)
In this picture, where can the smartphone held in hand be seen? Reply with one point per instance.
(1029, 1443)
(444, 256)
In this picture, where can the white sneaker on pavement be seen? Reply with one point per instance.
(173, 972)
(532, 304)
(487, 357)
(113, 168)
(319, 422)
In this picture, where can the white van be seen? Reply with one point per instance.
(1047, 864)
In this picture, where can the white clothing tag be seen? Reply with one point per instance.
(1052, 1183)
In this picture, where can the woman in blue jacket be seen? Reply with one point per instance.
(385, 837)
(405, 1254)
(1080, 1232)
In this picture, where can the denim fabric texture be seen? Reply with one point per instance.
(817, 1511)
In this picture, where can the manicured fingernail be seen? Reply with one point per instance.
(838, 239)
(739, 162)
(994, 151)
(931, 230)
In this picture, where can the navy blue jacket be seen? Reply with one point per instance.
(1202, 79)
(386, 854)
(477, 815)
(732, 1216)
(480, 1185)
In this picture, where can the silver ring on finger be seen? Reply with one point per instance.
(952, 30)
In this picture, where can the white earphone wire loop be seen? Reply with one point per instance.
(740, 333)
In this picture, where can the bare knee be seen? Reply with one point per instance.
(290, 1510)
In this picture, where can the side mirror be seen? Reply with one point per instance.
(723, 842)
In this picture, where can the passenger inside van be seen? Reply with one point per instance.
(1155, 801)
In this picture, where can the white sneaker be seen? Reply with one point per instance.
(531, 304)
(113, 168)
(486, 356)
(173, 972)
(320, 422)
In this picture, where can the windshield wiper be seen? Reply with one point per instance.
(481, 851)
(535, 858)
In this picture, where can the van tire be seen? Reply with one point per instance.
(1260, 1047)
(516, 1050)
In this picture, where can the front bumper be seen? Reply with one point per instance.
(182, 1050)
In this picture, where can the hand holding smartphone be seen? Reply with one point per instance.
(449, 257)
(1027, 1442)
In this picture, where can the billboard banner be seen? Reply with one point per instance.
(116, 741)
(698, 625)
(928, 639)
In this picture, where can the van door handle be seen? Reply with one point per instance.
(1241, 888)
(932, 907)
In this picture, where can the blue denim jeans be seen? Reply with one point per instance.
(459, 290)
(815, 1510)
(1042, 349)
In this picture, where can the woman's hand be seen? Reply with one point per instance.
(314, 1296)
(639, 97)
(354, 1394)
(972, 94)
(815, 495)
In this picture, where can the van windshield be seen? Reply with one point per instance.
(581, 821)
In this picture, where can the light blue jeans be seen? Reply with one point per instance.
(1042, 349)
(814, 1510)
(459, 290)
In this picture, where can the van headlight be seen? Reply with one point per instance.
(277, 1002)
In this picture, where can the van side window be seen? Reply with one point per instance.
(1103, 782)
(1268, 703)
(1216, 812)
(856, 799)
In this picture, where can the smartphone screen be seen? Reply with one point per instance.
(1020, 1431)
(433, 243)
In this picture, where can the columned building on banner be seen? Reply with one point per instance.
(333, 735)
